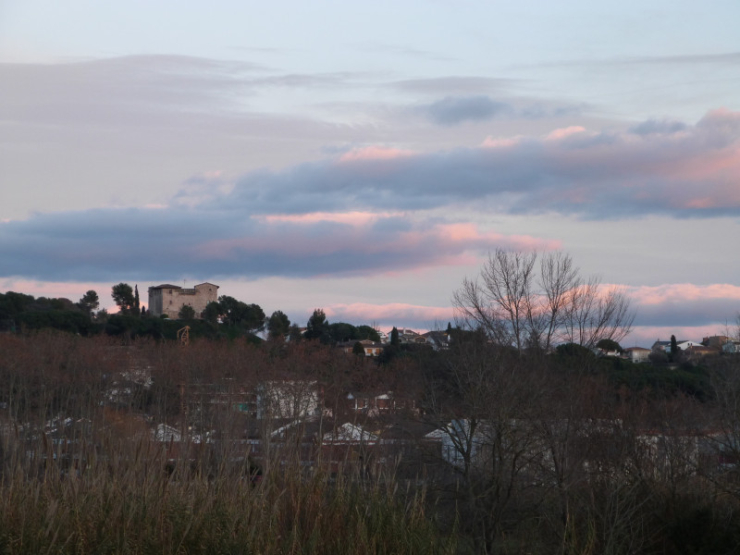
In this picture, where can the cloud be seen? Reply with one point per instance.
(660, 127)
(685, 304)
(152, 244)
(683, 309)
(368, 211)
(455, 110)
(690, 171)
(374, 153)
(54, 290)
(645, 336)
(388, 315)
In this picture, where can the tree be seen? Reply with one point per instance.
(394, 337)
(675, 353)
(278, 325)
(249, 317)
(137, 301)
(341, 332)
(123, 296)
(520, 303)
(212, 312)
(187, 312)
(294, 334)
(318, 327)
(358, 349)
(89, 303)
(609, 345)
(368, 332)
(490, 448)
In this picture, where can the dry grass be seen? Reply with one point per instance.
(125, 502)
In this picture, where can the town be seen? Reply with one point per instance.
(201, 386)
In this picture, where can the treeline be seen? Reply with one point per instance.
(225, 318)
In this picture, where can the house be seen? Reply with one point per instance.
(374, 404)
(439, 340)
(668, 454)
(665, 346)
(406, 335)
(167, 299)
(372, 348)
(696, 351)
(715, 341)
(638, 354)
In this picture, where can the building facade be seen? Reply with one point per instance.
(169, 299)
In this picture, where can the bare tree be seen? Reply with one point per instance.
(477, 394)
(520, 303)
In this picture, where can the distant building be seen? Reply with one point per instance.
(665, 346)
(638, 354)
(169, 299)
(372, 348)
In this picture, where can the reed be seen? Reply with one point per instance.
(123, 500)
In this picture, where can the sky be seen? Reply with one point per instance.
(365, 158)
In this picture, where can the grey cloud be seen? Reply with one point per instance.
(455, 110)
(299, 80)
(686, 313)
(109, 245)
(594, 175)
(539, 111)
(663, 127)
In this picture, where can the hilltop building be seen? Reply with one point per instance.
(169, 299)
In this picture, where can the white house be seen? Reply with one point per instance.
(638, 354)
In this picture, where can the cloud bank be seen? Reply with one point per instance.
(369, 211)
(665, 168)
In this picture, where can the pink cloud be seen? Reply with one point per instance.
(362, 236)
(492, 142)
(645, 336)
(351, 218)
(64, 290)
(656, 295)
(375, 153)
(390, 314)
(565, 132)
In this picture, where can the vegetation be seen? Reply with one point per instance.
(566, 469)
(118, 438)
(123, 296)
(317, 327)
(278, 326)
(527, 305)
(187, 312)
